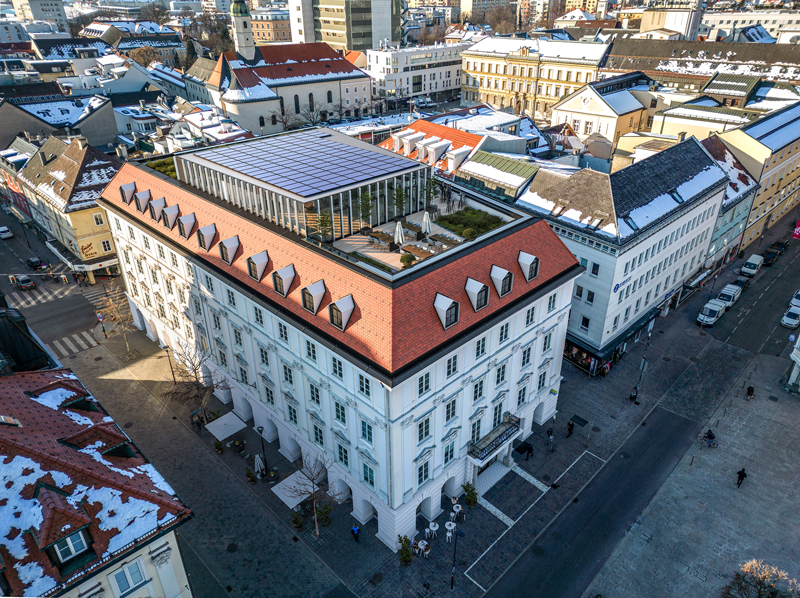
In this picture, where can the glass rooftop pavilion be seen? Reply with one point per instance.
(292, 179)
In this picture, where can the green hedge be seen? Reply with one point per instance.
(478, 220)
(165, 166)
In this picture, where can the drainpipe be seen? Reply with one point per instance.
(389, 445)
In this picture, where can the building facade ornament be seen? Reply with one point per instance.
(407, 421)
(516, 347)
(247, 329)
(162, 558)
(297, 365)
(466, 381)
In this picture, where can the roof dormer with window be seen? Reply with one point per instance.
(503, 280)
(312, 296)
(205, 236)
(478, 294)
(156, 207)
(228, 249)
(447, 309)
(186, 225)
(529, 265)
(256, 264)
(169, 215)
(282, 280)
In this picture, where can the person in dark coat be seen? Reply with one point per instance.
(740, 476)
(570, 428)
(550, 438)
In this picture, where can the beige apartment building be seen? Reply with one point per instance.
(271, 25)
(770, 149)
(527, 76)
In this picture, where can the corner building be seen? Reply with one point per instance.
(412, 381)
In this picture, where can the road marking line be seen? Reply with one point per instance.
(70, 345)
(761, 295)
(78, 340)
(524, 474)
(495, 511)
(90, 338)
(58, 346)
(734, 330)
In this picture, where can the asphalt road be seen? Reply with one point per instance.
(565, 559)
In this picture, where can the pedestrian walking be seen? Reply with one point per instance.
(355, 531)
(529, 452)
(741, 475)
(751, 392)
(550, 438)
(570, 428)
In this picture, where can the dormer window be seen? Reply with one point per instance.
(155, 207)
(340, 312)
(228, 248)
(169, 215)
(256, 264)
(141, 200)
(503, 280)
(185, 225)
(529, 265)
(478, 294)
(205, 236)
(70, 546)
(312, 296)
(282, 280)
(127, 191)
(447, 310)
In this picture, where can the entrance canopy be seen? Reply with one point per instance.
(225, 426)
(292, 490)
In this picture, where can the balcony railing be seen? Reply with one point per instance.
(499, 435)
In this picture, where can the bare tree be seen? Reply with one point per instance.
(756, 579)
(312, 483)
(156, 12)
(502, 19)
(431, 36)
(311, 114)
(195, 382)
(144, 55)
(286, 120)
(116, 311)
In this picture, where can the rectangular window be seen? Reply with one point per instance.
(340, 413)
(521, 395)
(578, 291)
(424, 383)
(480, 348)
(497, 415)
(363, 385)
(287, 374)
(283, 332)
(237, 337)
(449, 452)
(366, 431)
(627, 314)
(542, 381)
(423, 429)
(616, 323)
(475, 433)
(526, 357)
(590, 297)
(452, 366)
(70, 546)
(106, 246)
(258, 315)
(209, 284)
(585, 324)
(264, 356)
(595, 269)
(231, 298)
(130, 576)
(292, 414)
(369, 475)
(344, 457)
(223, 359)
(500, 376)
(313, 394)
(269, 397)
(319, 436)
(336, 368)
(216, 321)
(546, 342)
(504, 332)
(243, 375)
(450, 410)
(423, 473)
(311, 351)
(551, 303)
(477, 390)
(530, 317)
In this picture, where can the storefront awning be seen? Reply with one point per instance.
(77, 264)
(225, 426)
(292, 490)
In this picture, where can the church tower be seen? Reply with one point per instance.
(242, 30)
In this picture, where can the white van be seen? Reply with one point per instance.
(752, 265)
(711, 312)
(729, 295)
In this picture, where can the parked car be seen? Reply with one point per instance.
(771, 256)
(711, 312)
(782, 245)
(752, 265)
(742, 281)
(25, 283)
(729, 295)
(791, 319)
(795, 302)
(5, 233)
(35, 263)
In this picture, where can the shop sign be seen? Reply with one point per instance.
(88, 251)
(623, 283)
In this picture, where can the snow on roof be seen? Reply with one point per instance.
(488, 172)
(57, 476)
(622, 102)
(577, 15)
(139, 27)
(741, 182)
(68, 50)
(685, 110)
(131, 43)
(60, 113)
(545, 47)
(165, 73)
(110, 59)
(777, 130)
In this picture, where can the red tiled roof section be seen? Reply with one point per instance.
(352, 56)
(456, 138)
(282, 53)
(60, 518)
(391, 328)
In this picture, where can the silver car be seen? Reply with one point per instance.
(791, 319)
(795, 302)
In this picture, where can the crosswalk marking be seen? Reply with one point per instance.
(89, 338)
(58, 346)
(38, 295)
(70, 345)
(78, 340)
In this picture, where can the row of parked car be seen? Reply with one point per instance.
(716, 308)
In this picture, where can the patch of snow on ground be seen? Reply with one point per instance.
(33, 577)
(54, 398)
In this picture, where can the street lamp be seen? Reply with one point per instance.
(260, 430)
(171, 371)
(457, 533)
(642, 369)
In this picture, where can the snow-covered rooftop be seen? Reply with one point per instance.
(622, 101)
(61, 113)
(551, 49)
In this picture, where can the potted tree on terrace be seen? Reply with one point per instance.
(405, 550)
(363, 211)
(400, 200)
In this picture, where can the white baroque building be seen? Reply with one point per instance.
(412, 381)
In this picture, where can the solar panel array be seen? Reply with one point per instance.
(306, 163)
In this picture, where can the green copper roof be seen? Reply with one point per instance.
(239, 9)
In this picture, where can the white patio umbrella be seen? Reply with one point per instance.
(399, 237)
(259, 465)
(427, 226)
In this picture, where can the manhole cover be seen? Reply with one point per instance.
(694, 360)
(376, 579)
(545, 478)
(173, 417)
(537, 551)
(661, 332)
(128, 425)
(98, 358)
(595, 429)
(229, 588)
(556, 536)
(233, 547)
(624, 455)
(667, 359)
(575, 499)
(773, 398)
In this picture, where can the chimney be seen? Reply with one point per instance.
(141, 104)
(82, 143)
(42, 159)
(122, 152)
(681, 136)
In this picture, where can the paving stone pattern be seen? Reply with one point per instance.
(512, 495)
(700, 527)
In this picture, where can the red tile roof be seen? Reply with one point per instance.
(57, 477)
(390, 327)
(352, 56)
(456, 137)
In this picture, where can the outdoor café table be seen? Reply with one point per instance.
(412, 227)
(416, 251)
(382, 237)
(446, 241)
(450, 525)
(433, 526)
(457, 508)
